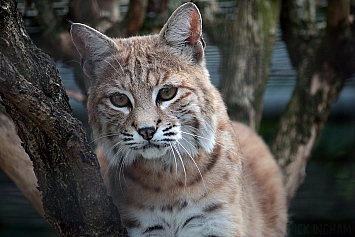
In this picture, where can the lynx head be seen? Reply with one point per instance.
(150, 96)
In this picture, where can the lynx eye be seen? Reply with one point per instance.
(120, 100)
(167, 93)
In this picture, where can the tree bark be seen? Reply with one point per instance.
(299, 28)
(73, 193)
(329, 61)
(246, 45)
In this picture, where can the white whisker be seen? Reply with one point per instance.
(117, 62)
(194, 135)
(107, 152)
(111, 66)
(190, 143)
(193, 160)
(112, 161)
(176, 165)
(116, 170)
(116, 165)
(122, 164)
(182, 162)
(104, 136)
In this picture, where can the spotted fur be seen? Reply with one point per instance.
(175, 165)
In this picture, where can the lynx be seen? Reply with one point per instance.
(177, 165)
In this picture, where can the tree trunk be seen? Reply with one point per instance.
(73, 193)
(299, 28)
(246, 45)
(329, 61)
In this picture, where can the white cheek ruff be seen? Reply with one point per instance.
(207, 138)
(193, 139)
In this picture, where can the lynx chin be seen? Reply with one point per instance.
(176, 165)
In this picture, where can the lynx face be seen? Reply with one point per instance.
(150, 96)
(154, 113)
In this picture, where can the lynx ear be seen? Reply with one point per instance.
(92, 46)
(183, 32)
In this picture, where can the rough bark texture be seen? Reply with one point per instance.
(299, 27)
(329, 61)
(246, 43)
(73, 194)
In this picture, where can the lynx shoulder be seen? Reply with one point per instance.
(176, 164)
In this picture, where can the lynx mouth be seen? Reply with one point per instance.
(150, 145)
(153, 151)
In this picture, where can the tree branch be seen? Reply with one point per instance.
(132, 22)
(73, 193)
(33, 104)
(299, 28)
(320, 79)
(246, 43)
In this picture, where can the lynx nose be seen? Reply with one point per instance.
(147, 132)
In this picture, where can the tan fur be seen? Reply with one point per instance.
(263, 177)
(15, 162)
(192, 177)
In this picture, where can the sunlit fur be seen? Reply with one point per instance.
(193, 177)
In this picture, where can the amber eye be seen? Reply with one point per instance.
(120, 100)
(167, 93)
